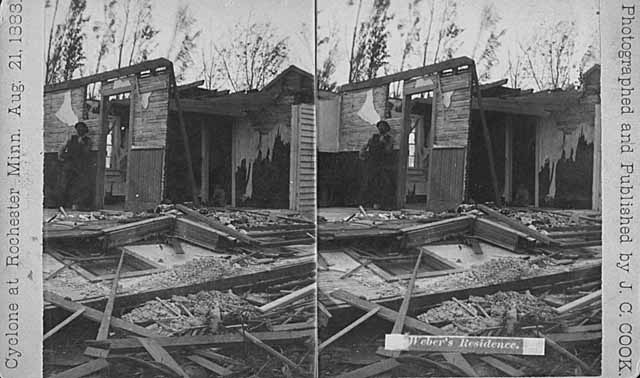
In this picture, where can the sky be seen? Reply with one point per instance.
(521, 19)
(291, 18)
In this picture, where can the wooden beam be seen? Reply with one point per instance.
(206, 107)
(418, 235)
(403, 154)
(404, 75)
(289, 298)
(411, 323)
(216, 225)
(205, 165)
(62, 324)
(129, 233)
(257, 342)
(348, 328)
(84, 369)
(198, 233)
(503, 236)
(103, 330)
(504, 105)
(512, 372)
(185, 140)
(127, 345)
(372, 370)
(95, 315)
(580, 302)
(517, 225)
(487, 137)
(103, 76)
(161, 356)
(212, 366)
(586, 369)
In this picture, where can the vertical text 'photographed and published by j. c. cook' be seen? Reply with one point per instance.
(179, 189)
(459, 227)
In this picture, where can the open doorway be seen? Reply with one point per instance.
(523, 169)
(117, 148)
(216, 162)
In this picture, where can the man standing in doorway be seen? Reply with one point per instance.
(378, 157)
(74, 180)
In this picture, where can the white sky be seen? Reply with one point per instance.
(521, 19)
(292, 18)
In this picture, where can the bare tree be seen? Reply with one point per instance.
(372, 50)
(183, 41)
(105, 32)
(488, 41)
(68, 45)
(327, 68)
(353, 39)
(549, 60)
(515, 72)
(210, 67)
(253, 55)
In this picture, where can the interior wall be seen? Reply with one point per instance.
(261, 148)
(565, 157)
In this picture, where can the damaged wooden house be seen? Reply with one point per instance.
(155, 141)
(457, 140)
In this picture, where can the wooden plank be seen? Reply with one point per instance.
(512, 372)
(403, 153)
(292, 326)
(162, 356)
(121, 72)
(257, 342)
(436, 231)
(216, 225)
(133, 345)
(135, 231)
(501, 235)
(516, 225)
(372, 370)
(198, 233)
(289, 298)
(209, 365)
(574, 336)
(95, 315)
(398, 325)
(580, 302)
(404, 75)
(209, 354)
(348, 328)
(103, 330)
(84, 369)
(586, 369)
(62, 324)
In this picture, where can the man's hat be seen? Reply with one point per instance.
(384, 125)
(82, 125)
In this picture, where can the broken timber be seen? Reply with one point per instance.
(62, 324)
(502, 236)
(193, 214)
(198, 234)
(348, 328)
(133, 345)
(289, 298)
(162, 356)
(136, 231)
(95, 315)
(257, 342)
(544, 239)
(436, 231)
(84, 369)
(372, 370)
(212, 366)
(580, 302)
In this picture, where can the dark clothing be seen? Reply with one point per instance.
(378, 174)
(74, 179)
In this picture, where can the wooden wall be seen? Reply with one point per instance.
(452, 121)
(56, 132)
(302, 193)
(328, 124)
(355, 131)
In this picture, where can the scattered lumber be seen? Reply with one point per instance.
(211, 355)
(289, 298)
(398, 325)
(348, 328)
(212, 366)
(355, 269)
(84, 369)
(580, 302)
(586, 369)
(133, 232)
(63, 323)
(161, 356)
(415, 236)
(198, 234)
(502, 236)
(96, 315)
(257, 342)
(502, 366)
(232, 234)
(372, 370)
(133, 345)
(544, 239)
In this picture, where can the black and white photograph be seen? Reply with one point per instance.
(179, 189)
(319, 188)
(459, 188)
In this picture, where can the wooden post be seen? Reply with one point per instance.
(403, 154)
(487, 138)
(508, 158)
(185, 138)
(98, 201)
(205, 166)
